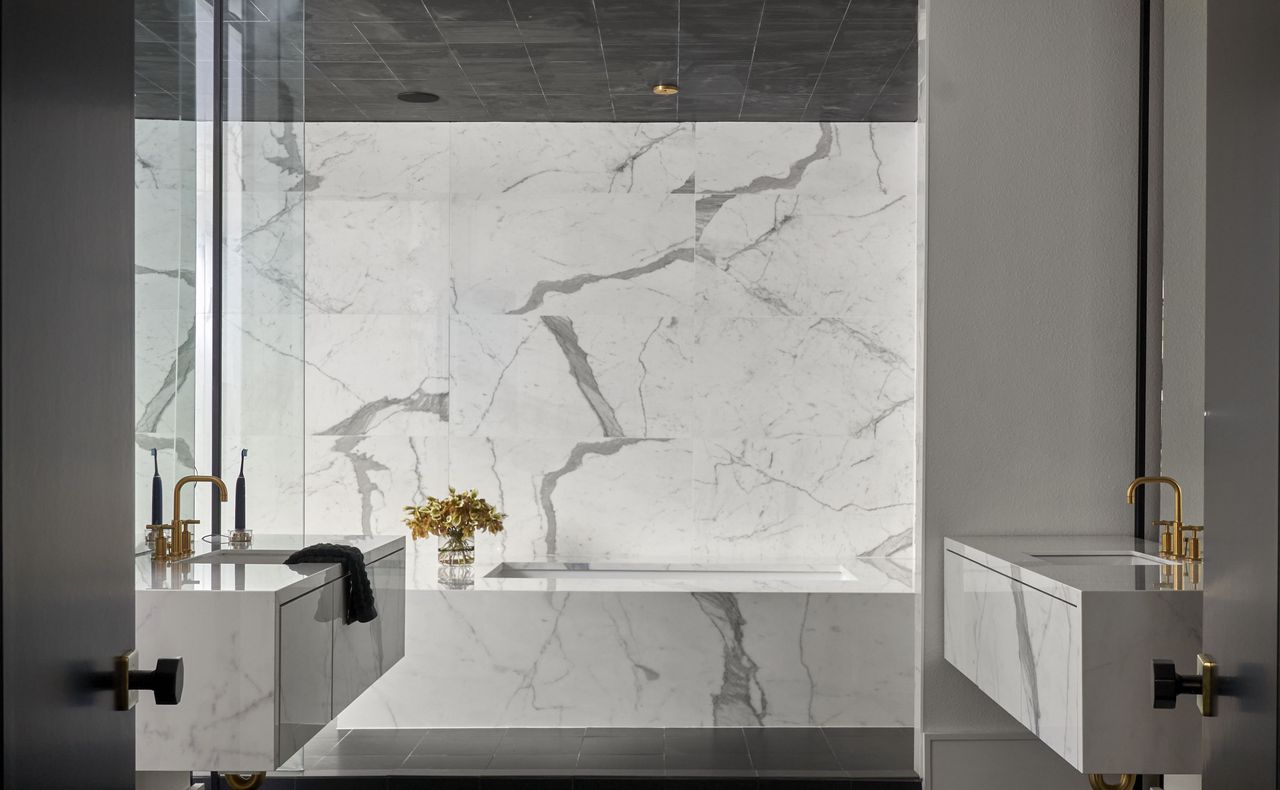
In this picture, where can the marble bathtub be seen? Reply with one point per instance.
(652, 644)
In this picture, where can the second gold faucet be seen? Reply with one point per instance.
(1171, 540)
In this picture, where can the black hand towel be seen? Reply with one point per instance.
(359, 592)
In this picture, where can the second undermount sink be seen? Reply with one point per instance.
(239, 557)
(1104, 558)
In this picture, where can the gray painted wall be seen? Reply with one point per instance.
(1182, 406)
(1031, 188)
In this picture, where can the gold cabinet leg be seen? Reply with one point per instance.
(245, 781)
(1099, 782)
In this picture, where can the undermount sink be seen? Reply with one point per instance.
(239, 557)
(1104, 558)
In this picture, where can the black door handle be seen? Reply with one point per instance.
(164, 682)
(1168, 684)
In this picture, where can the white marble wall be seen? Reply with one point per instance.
(165, 293)
(642, 340)
(263, 311)
(512, 659)
(673, 341)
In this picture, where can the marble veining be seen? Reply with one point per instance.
(268, 657)
(165, 325)
(646, 659)
(688, 342)
(1062, 648)
(645, 340)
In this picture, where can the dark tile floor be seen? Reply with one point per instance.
(731, 758)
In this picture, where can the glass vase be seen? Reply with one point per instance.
(457, 549)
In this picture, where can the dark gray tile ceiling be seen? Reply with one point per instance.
(541, 60)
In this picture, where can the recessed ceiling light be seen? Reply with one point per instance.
(417, 97)
(666, 89)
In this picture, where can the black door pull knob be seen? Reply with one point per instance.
(165, 681)
(1169, 684)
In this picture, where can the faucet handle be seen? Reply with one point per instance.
(1166, 535)
(1193, 542)
(182, 541)
(154, 531)
(159, 544)
(160, 548)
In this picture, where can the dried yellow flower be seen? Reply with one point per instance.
(457, 515)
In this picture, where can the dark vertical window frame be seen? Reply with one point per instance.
(215, 307)
(1141, 296)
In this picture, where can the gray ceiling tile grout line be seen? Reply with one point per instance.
(835, 37)
(746, 85)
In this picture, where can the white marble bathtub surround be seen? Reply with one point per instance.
(262, 374)
(384, 472)
(548, 375)
(870, 160)
(761, 498)
(629, 366)
(165, 252)
(162, 356)
(571, 158)
(573, 254)
(265, 157)
(647, 659)
(402, 268)
(782, 377)
(376, 374)
(264, 260)
(164, 154)
(378, 160)
(556, 490)
(798, 254)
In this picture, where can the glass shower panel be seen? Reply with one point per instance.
(172, 128)
(263, 261)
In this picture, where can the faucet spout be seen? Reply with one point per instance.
(1166, 539)
(1177, 492)
(177, 491)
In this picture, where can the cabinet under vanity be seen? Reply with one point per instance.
(269, 656)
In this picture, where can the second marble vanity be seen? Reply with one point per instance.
(269, 657)
(1061, 632)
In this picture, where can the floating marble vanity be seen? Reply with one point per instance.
(1061, 632)
(269, 659)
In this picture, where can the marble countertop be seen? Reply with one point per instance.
(258, 577)
(1021, 557)
(859, 575)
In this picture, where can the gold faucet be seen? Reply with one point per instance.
(1176, 525)
(178, 544)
